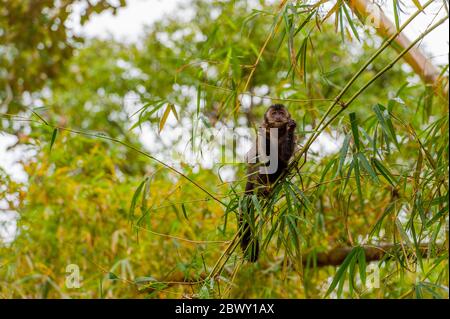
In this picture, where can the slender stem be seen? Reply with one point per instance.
(382, 71)
(134, 148)
(390, 65)
(305, 148)
(357, 74)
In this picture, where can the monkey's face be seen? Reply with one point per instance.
(277, 116)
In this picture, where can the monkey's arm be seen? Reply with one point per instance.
(287, 145)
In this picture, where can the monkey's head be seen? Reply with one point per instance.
(276, 116)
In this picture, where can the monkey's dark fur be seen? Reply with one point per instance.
(276, 116)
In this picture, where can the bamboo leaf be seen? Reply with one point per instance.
(376, 228)
(386, 123)
(343, 153)
(183, 208)
(358, 181)
(417, 4)
(367, 167)
(362, 265)
(302, 25)
(112, 276)
(354, 126)
(340, 273)
(396, 17)
(303, 49)
(341, 23)
(384, 171)
(144, 115)
(402, 232)
(39, 117)
(418, 170)
(332, 11)
(163, 120)
(199, 96)
(55, 131)
(174, 111)
(350, 22)
(256, 203)
(135, 198)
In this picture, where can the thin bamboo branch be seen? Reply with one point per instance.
(134, 148)
(384, 70)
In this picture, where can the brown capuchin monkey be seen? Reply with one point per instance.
(262, 174)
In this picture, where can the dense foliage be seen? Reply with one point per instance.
(105, 193)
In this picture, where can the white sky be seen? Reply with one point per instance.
(127, 24)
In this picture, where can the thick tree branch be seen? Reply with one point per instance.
(336, 256)
(333, 257)
(372, 14)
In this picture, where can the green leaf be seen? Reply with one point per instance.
(39, 117)
(386, 123)
(135, 198)
(367, 167)
(362, 265)
(376, 228)
(55, 131)
(144, 115)
(199, 97)
(256, 203)
(418, 170)
(300, 27)
(343, 153)
(351, 272)
(340, 273)
(358, 181)
(288, 198)
(354, 125)
(183, 208)
(396, 18)
(438, 216)
(350, 21)
(306, 202)
(402, 232)
(384, 171)
(303, 53)
(112, 276)
(341, 22)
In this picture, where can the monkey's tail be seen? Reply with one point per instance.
(249, 244)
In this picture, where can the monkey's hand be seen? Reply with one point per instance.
(291, 125)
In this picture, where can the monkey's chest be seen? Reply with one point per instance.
(271, 171)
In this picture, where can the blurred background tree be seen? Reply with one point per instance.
(96, 113)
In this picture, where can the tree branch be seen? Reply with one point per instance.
(422, 66)
(336, 256)
(333, 257)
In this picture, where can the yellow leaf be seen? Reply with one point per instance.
(174, 111)
(418, 5)
(164, 117)
(332, 10)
